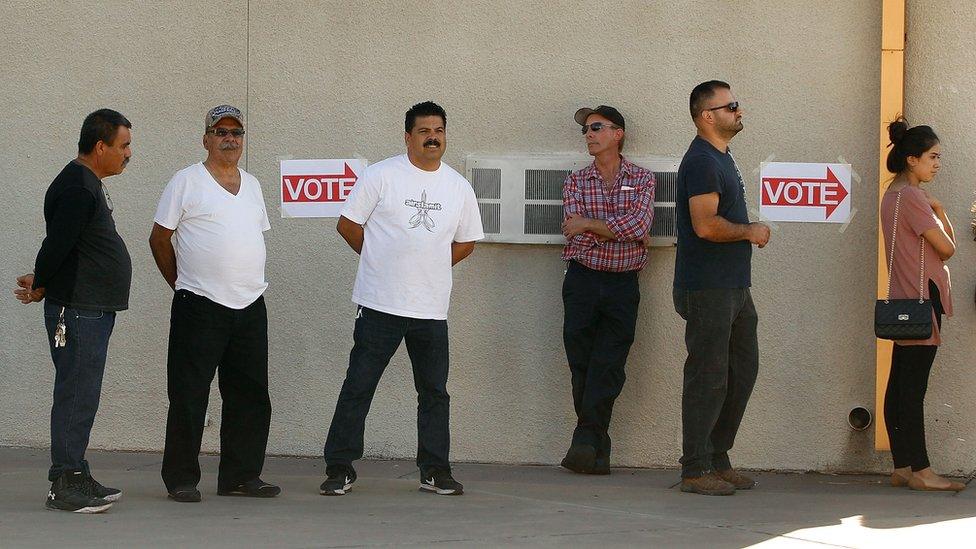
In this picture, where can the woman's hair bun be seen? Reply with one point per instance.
(907, 142)
(897, 130)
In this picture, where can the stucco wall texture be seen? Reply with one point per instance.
(332, 80)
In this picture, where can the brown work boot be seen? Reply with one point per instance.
(707, 485)
(735, 478)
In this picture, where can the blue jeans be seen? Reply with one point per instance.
(78, 367)
(720, 372)
(376, 337)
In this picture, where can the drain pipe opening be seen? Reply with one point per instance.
(859, 418)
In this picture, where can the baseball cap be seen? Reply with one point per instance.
(220, 112)
(610, 113)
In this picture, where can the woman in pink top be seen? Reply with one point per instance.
(924, 240)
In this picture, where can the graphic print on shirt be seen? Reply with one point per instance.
(422, 217)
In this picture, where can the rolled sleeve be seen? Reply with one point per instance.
(572, 198)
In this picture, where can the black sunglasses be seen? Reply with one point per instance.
(223, 132)
(597, 126)
(733, 106)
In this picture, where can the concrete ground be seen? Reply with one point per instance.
(502, 506)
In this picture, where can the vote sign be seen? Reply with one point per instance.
(815, 193)
(317, 188)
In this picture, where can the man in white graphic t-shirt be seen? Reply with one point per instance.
(218, 320)
(411, 218)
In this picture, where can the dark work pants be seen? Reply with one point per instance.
(376, 338)
(904, 409)
(78, 370)
(719, 373)
(207, 338)
(600, 316)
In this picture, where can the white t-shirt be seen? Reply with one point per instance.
(410, 217)
(220, 250)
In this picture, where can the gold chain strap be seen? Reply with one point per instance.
(891, 256)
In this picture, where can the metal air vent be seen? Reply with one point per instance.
(521, 197)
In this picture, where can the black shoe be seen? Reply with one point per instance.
(339, 481)
(441, 482)
(185, 494)
(601, 466)
(254, 488)
(581, 458)
(96, 489)
(70, 493)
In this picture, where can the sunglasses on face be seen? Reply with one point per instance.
(733, 106)
(224, 132)
(597, 126)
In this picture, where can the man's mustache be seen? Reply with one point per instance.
(229, 146)
(432, 142)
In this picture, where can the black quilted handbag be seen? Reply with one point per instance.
(903, 318)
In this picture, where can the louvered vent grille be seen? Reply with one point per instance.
(666, 186)
(487, 182)
(664, 222)
(543, 219)
(545, 184)
(491, 217)
(520, 197)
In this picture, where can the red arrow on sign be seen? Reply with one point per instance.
(318, 188)
(827, 193)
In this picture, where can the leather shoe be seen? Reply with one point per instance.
(898, 481)
(916, 483)
(735, 478)
(601, 466)
(581, 458)
(707, 485)
(185, 494)
(254, 488)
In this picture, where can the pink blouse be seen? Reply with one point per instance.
(915, 216)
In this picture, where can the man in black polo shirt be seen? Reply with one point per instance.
(83, 270)
(711, 292)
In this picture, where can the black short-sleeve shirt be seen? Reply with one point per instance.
(702, 264)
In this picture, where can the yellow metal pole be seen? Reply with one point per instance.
(892, 104)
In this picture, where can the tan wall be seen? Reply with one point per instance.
(939, 84)
(332, 79)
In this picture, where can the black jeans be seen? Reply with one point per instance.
(376, 337)
(204, 338)
(78, 370)
(719, 373)
(598, 329)
(904, 409)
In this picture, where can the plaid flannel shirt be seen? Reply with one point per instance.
(628, 211)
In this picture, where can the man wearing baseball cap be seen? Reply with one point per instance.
(218, 321)
(608, 208)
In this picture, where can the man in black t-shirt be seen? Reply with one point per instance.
(711, 292)
(82, 273)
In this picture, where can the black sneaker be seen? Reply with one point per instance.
(254, 488)
(70, 493)
(339, 481)
(96, 489)
(441, 482)
(185, 494)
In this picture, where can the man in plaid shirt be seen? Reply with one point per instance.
(608, 206)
